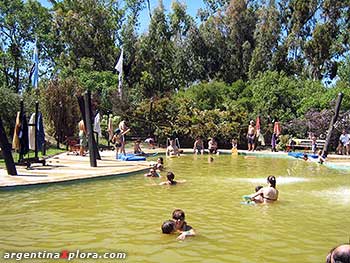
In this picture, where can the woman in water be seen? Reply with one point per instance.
(268, 193)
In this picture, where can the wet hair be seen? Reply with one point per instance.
(257, 188)
(179, 214)
(161, 160)
(168, 226)
(170, 176)
(272, 180)
(337, 255)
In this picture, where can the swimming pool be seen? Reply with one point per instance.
(124, 214)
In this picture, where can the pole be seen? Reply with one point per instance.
(331, 125)
(6, 149)
(88, 125)
(21, 112)
(150, 118)
(36, 129)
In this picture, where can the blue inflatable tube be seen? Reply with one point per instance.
(301, 155)
(131, 157)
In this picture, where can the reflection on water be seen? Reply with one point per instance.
(125, 214)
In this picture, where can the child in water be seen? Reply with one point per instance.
(170, 176)
(179, 225)
(152, 173)
(256, 200)
(160, 164)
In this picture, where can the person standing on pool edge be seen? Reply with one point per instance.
(123, 130)
(269, 193)
(251, 136)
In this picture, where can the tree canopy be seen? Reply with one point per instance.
(211, 74)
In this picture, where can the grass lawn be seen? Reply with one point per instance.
(49, 152)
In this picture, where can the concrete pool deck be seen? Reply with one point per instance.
(66, 168)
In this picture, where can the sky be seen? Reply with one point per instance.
(192, 8)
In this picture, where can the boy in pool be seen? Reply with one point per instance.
(171, 176)
(152, 173)
(181, 225)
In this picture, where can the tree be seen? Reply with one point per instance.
(60, 107)
(87, 29)
(266, 39)
(21, 23)
(156, 56)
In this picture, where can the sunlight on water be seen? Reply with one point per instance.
(279, 179)
(338, 195)
(125, 214)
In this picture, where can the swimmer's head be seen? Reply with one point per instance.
(257, 188)
(340, 254)
(272, 181)
(160, 160)
(178, 215)
(168, 227)
(170, 176)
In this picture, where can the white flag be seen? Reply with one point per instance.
(119, 68)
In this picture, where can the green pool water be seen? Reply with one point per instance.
(124, 214)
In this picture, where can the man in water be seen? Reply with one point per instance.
(339, 254)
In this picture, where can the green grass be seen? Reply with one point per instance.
(49, 152)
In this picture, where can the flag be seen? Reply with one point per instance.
(119, 67)
(35, 68)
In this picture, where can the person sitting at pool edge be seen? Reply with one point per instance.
(198, 146)
(172, 149)
(213, 146)
(137, 148)
(339, 254)
(269, 193)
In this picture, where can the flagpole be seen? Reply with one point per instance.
(119, 67)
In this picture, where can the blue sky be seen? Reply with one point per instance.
(192, 7)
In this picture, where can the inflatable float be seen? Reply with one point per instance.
(135, 157)
(301, 155)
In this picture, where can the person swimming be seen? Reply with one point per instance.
(170, 176)
(339, 254)
(152, 173)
